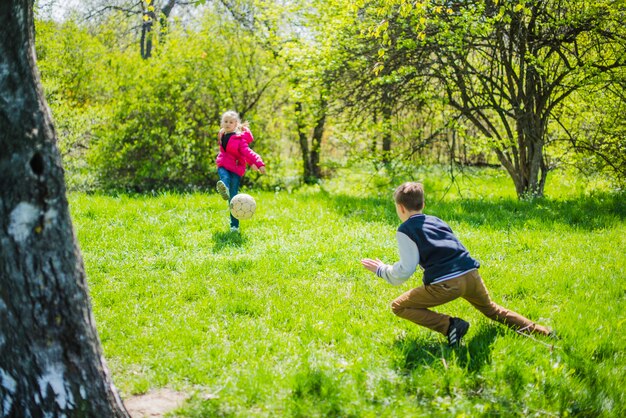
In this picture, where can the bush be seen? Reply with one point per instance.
(160, 133)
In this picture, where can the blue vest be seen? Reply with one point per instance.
(441, 253)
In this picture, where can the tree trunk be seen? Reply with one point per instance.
(163, 16)
(387, 131)
(304, 144)
(530, 138)
(374, 145)
(148, 18)
(316, 141)
(51, 363)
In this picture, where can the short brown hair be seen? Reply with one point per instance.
(410, 195)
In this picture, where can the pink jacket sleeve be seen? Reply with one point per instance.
(246, 135)
(251, 157)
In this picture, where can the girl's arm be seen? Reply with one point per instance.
(251, 157)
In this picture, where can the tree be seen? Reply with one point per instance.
(148, 11)
(279, 30)
(368, 89)
(51, 362)
(149, 15)
(306, 45)
(594, 126)
(161, 132)
(507, 66)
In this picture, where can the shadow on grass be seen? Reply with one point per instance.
(478, 349)
(593, 212)
(471, 356)
(227, 239)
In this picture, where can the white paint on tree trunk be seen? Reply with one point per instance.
(10, 385)
(22, 220)
(53, 377)
(50, 216)
(4, 70)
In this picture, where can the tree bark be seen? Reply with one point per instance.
(51, 362)
(316, 140)
(163, 23)
(304, 143)
(311, 170)
(148, 18)
(387, 130)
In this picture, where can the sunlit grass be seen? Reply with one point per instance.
(283, 321)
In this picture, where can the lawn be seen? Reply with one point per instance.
(282, 320)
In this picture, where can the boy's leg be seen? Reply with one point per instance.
(413, 305)
(476, 293)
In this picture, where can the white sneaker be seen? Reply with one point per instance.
(222, 190)
(234, 229)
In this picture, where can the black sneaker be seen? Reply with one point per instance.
(458, 328)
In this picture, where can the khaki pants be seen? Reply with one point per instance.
(413, 305)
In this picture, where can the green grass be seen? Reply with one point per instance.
(283, 320)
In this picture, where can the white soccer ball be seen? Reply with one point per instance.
(242, 206)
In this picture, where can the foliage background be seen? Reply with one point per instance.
(126, 123)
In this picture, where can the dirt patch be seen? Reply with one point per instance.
(154, 404)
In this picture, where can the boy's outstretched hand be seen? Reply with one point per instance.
(371, 265)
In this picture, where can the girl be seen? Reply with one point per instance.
(234, 154)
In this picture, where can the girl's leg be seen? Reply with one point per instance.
(477, 295)
(224, 175)
(233, 188)
(413, 305)
(222, 184)
(231, 180)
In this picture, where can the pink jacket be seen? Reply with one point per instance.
(237, 153)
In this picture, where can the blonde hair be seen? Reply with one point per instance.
(231, 114)
(410, 195)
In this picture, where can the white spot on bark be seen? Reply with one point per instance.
(50, 216)
(22, 221)
(83, 392)
(9, 384)
(53, 378)
(4, 70)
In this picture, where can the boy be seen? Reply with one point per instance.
(449, 272)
